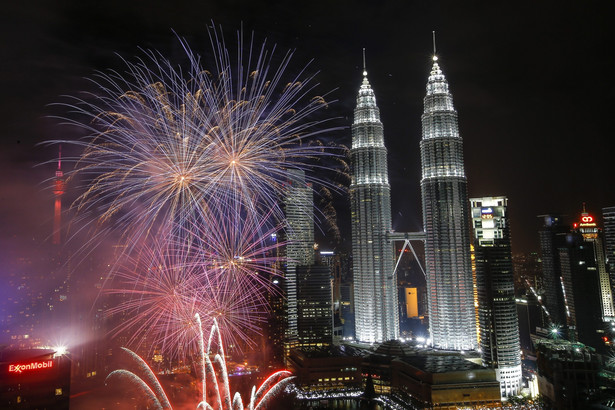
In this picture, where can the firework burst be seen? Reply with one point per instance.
(188, 165)
(164, 146)
(217, 276)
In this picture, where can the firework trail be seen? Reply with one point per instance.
(214, 373)
(163, 146)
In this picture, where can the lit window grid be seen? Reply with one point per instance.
(446, 222)
(375, 285)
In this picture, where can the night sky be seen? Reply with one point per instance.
(532, 83)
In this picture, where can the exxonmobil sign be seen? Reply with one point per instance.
(32, 366)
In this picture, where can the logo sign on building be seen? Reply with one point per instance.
(486, 213)
(29, 367)
(587, 220)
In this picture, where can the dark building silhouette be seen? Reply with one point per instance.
(577, 286)
(567, 373)
(314, 307)
(552, 238)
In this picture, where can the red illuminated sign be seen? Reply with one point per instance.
(587, 220)
(20, 368)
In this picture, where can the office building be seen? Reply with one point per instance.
(608, 219)
(375, 284)
(299, 247)
(314, 307)
(552, 237)
(497, 310)
(446, 221)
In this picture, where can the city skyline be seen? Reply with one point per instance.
(174, 233)
(519, 89)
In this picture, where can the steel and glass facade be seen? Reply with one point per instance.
(375, 283)
(298, 206)
(497, 309)
(446, 221)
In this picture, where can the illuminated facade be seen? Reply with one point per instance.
(375, 284)
(588, 228)
(299, 250)
(608, 218)
(34, 379)
(446, 221)
(497, 310)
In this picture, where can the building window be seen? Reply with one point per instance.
(58, 391)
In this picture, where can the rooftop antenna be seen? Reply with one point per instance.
(364, 66)
(433, 37)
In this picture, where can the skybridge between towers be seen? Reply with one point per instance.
(407, 238)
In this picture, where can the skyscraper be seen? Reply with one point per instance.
(299, 250)
(592, 236)
(446, 218)
(314, 310)
(608, 218)
(577, 286)
(497, 310)
(375, 283)
(552, 238)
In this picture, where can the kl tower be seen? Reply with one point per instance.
(58, 191)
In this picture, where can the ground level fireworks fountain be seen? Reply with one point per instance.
(215, 388)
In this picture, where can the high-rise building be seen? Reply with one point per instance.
(314, 310)
(577, 286)
(586, 286)
(592, 235)
(552, 237)
(446, 221)
(608, 218)
(375, 282)
(497, 310)
(299, 249)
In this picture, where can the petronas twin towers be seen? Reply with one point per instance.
(375, 283)
(445, 217)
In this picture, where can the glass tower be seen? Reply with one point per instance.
(497, 309)
(298, 205)
(375, 284)
(446, 221)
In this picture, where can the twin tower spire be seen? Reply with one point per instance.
(445, 218)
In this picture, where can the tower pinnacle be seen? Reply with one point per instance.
(364, 66)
